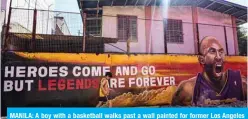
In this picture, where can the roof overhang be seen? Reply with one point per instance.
(238, 11)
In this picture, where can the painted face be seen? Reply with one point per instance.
(213, 58)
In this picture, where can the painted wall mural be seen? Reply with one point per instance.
(71, 79)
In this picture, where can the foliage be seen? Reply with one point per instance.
(242, 40)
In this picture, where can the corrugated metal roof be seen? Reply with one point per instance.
(239, 11)
(56, 43)
(27, 36)
(92, 39)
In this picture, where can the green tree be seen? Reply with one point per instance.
(242, 40)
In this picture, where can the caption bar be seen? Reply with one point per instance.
(127, 113)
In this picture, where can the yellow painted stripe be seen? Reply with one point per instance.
(66, 58)
(116, 59)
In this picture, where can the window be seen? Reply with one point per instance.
(173, 31)
(93, 24)
(93, 28)
(127, 28)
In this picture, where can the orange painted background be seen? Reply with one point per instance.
(181, 66)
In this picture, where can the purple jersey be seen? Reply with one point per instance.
(204, 94)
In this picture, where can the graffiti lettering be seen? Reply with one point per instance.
(17, 85)
(151, 81)
(31, 71)
(89, 71)
(126, 70)
(148, 70)
(67, 84)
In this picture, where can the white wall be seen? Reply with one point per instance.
(183, 13)
(220, 20)
(180, 13)
(62, 25)
(109, 28)
(230, 41)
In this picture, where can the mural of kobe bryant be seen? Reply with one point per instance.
(213, 86)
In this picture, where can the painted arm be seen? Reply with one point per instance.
(103, 87)
(183, 95)
(244, 86)
(106, 86)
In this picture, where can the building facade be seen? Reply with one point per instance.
(153, 28)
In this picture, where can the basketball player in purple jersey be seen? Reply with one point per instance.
(213, 86)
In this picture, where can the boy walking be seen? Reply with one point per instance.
(104, 90)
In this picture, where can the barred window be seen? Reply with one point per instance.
(173, 31)
(93, 26)
(127, 28)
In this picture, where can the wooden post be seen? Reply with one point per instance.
(7, 29)
(198, 38)
(226, 40)
(195, 28)
(34, 31)
(235, 35)
(148, 18)
(128, 36)
(128, 45)
(165, 40)
(84, 34)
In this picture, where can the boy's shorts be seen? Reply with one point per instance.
(104, 99)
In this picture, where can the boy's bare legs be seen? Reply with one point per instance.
(99, 103)
(110, 103)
